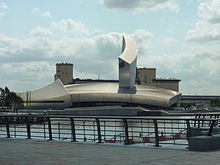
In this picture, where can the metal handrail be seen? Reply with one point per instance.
(154, 120)
(112, 117)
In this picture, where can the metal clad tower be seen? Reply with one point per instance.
(128, 63)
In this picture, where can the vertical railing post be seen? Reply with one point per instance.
(199, 121)
(49, 128)
(28, 128)
(94, 135)
(126, 141)
(15, 130)
(211, 128)
(156, 133)
(84, 131)
(210, 122)
(44, 130)
(203, 120)
(7, 126)
(104, 130)
(195, 120)
(58, 126)
(73, 132)
(188, 129)
(98, 130)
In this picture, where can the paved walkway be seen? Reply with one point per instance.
(31, 152)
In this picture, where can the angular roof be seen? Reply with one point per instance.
(56, 89)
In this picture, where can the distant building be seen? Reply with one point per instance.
(198, 99)
(88, 93)
(147, 76)
(144, 76)
(64, 72)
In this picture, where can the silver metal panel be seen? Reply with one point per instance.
(127, 63)
(47, 97)
(129, 50)
(102, 92)
(101, 97)
(56, 89)
(49, 104)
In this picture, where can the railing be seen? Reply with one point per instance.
(105, 129)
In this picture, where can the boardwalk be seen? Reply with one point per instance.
(26, 152)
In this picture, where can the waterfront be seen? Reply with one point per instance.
(155, 130)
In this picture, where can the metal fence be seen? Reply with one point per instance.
(106, 129)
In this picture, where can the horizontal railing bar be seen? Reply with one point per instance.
(114, 117)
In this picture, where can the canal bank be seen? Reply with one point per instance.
(25, 152)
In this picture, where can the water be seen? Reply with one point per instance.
(112, 130)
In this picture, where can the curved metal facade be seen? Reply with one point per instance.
(109, 92)
(97, 92)
(53, 96)
(127, 63)
(58, 96)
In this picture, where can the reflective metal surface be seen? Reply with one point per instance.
(127, 63)
(53, 96)
(56, 95)
(102, 92)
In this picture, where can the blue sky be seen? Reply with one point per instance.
(180, 38)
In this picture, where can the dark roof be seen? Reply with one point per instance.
(166, 79)
(64, 64)
(147, 68)
(91, 80)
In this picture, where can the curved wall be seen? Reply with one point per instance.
(109, 92)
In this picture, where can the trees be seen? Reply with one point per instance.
(10, 99)
(215, 103)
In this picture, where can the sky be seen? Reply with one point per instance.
(179, 38)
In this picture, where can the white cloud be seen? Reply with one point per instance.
(197, 67)
(142, 39)
(140, 5)
(40, 32)
(70, 26)
(207, 29)
(3, 5)
(173, 6)
(91, 55)
(45, 14)
(28, 75)
(209, 10)
(31, 61)
(204, 32)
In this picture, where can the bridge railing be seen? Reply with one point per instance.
(107, 129)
